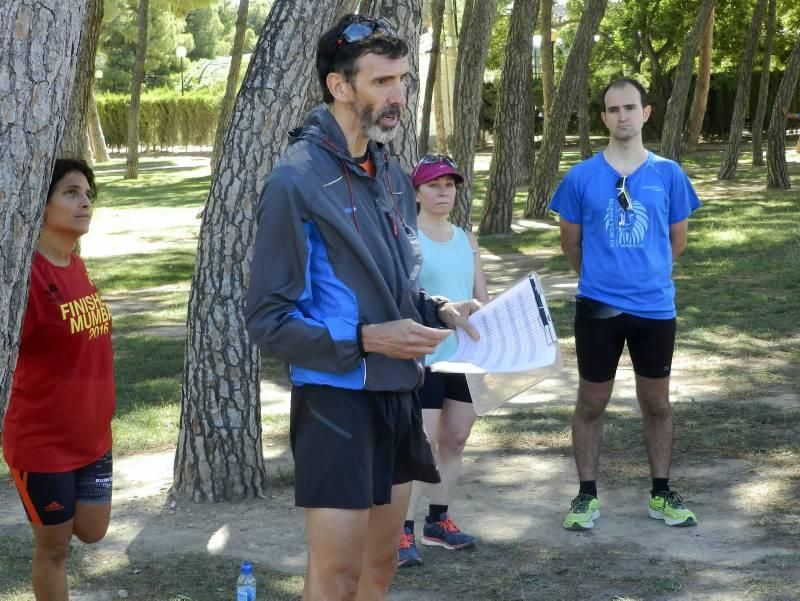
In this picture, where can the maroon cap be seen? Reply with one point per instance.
(427, 171)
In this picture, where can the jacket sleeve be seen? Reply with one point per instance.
(280, 283)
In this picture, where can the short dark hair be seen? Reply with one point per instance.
(336, 57)
(621, 83)
(64, 167)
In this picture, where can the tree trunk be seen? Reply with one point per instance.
(701, 87)
(437, 16)
(99, 147)
(473, 48)
(763, 88)
(583, 113)
(545, 170)
(509, 120)
(442, 135)
(548, 68)
(730, 158)
(73, 142)
(231, 84)
(406, 15)
(36, 88)
(463, 42)
(219, 453)
(777, 175)
(676, 105)
(132, 161)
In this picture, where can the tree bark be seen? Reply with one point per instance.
(701, 87)
(583, 113)
(777, 174)
(73, 142)
(763, 87)
(231, 84)
(676, 105)
(509, 120)
(548, 68)
(442, 135)
(545, 170)
(132, 161)
(463, 41)
(730, 158)
(35, 88)
(437, 17)
(219, 453)
(473, 48)
(96, 136)
(406, 15)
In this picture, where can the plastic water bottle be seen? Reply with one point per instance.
(246, 584)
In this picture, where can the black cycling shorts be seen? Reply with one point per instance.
(599, 343)
(49, 499)
(351, 446)
(439, 386)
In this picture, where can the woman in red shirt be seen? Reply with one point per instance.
(57, 430)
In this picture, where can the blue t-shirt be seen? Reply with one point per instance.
(627, 256)
(448, 269)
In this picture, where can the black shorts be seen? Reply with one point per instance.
(439, 386)
(49, 499)
(351, 446)
(599, 343)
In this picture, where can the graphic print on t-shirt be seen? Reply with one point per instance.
(87, 313)
(626, 228)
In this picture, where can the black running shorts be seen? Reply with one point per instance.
(599, 343)
(49, 499)
(439, 386)
(351, 446)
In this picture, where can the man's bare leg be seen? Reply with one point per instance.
(653, 397)
(587, 424)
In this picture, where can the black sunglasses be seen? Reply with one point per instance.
(623, 197)
(361, 30)
(432, 159)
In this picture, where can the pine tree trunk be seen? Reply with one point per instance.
(73, 142)
(463, 42)
(219, 453)
(545, 170)
(548, 68)
(406, 15)
(509, 120)
(730, 159)
(36, 88)
(777, 174)
(763, 87)
(132, 161)
(583, 114)
(702, 84)
(99, 147)
(676, 105)
(437, 16)
(442, 135)
(233, 81)
(473, 48)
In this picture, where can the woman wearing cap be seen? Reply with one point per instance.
(451, 268)
(57, 431)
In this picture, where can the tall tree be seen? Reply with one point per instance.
(509, 120)
(473, 46)
(132, 160)
(583, 113)
(763, 87)
(676, 105)
(96, 137)
(701, 87)
(437, 18)
(36, 90)
(730, 159)
(219, 453)
(406, 15)
(777, 175)
(545, 170)
(73, 142)
(548, 67)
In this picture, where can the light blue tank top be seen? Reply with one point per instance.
(448, 269)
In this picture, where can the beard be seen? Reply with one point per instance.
(370, 123)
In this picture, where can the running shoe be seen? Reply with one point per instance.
(407, 554)
(583, 511)
(444, 533)
(668, 506)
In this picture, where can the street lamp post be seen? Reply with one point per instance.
(180, 52)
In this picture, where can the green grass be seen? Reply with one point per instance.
(141, 270)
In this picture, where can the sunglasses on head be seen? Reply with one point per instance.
(361, 30)
(432, 159)
(623, 197)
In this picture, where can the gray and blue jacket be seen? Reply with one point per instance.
(335, 249)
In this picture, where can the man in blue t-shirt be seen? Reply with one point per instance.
(624, 220)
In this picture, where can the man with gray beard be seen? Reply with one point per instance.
(334, 293)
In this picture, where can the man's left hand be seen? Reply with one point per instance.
(456, 315)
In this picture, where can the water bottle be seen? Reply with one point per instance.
(246, 584)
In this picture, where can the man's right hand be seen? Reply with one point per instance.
(401, 339)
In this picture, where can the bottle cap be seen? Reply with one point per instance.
(247, 568)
